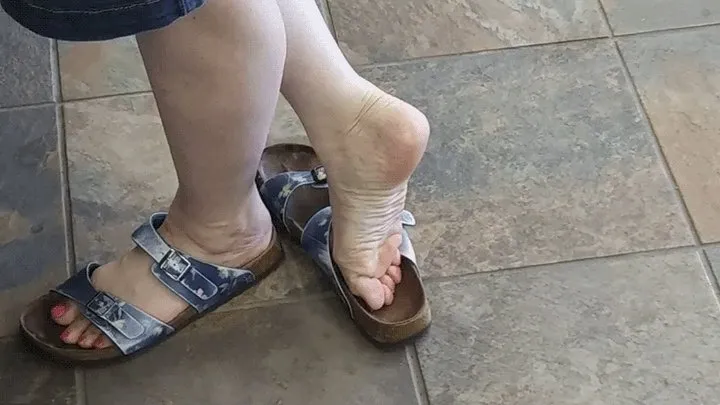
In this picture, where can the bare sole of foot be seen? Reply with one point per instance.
(369, 159)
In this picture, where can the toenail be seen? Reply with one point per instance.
(64, 335)
(98, 343)
(58, 310)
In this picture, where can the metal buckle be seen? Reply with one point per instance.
(319, 174)
(175, 265)
(101, 304)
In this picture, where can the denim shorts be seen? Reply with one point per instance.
(96, 20)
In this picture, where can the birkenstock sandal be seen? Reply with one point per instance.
(293, 185)
(204, 286)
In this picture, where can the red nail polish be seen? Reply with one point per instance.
(98, 343)
(58, 310)
(64, 335)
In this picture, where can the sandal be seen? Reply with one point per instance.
(293, 185)
(203, 286)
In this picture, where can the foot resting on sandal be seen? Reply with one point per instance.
(231, 243)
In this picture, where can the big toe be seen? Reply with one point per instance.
(64, 313)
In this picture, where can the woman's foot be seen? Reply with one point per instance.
(230, 243)
(370, 149)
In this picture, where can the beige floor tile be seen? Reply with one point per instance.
(386, 30)
(639, 330)
(678, 77)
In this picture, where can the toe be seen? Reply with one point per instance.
(88, 338)
(64, 313)
(395, 274)
(72, 333)
(388, 254)
(102, 342)
(371, 290)
(388, 282)
(389, 295)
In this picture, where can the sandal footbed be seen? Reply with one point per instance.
(41, 331)
(409, 314)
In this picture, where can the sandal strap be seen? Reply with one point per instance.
(277, 190)
(315, 240)
(406, 247)
(128, 327)
(202, 285)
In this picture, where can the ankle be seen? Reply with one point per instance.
(230, 240)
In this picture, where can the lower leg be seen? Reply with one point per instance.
(369, 141)
(216, 76)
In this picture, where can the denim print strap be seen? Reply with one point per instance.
(202, 285)
(315, 240)
(277, 190)
(128, 327)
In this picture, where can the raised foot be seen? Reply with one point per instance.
(369, 163)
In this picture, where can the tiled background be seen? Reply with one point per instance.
(569, 209)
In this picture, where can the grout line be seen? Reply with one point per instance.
(78, 100)
(55, 71)
(605, 18)
(710, 275)
(477, 52)
(65, 192)
(80, 391)
(668, 30)
(416, 374)
(31, 105)
(276, 302)
(331, 20)
(619, 256)
(108, 96)
(63, 161)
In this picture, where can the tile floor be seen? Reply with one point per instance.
(569, 209)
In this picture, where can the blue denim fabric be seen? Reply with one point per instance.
(96, 20)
